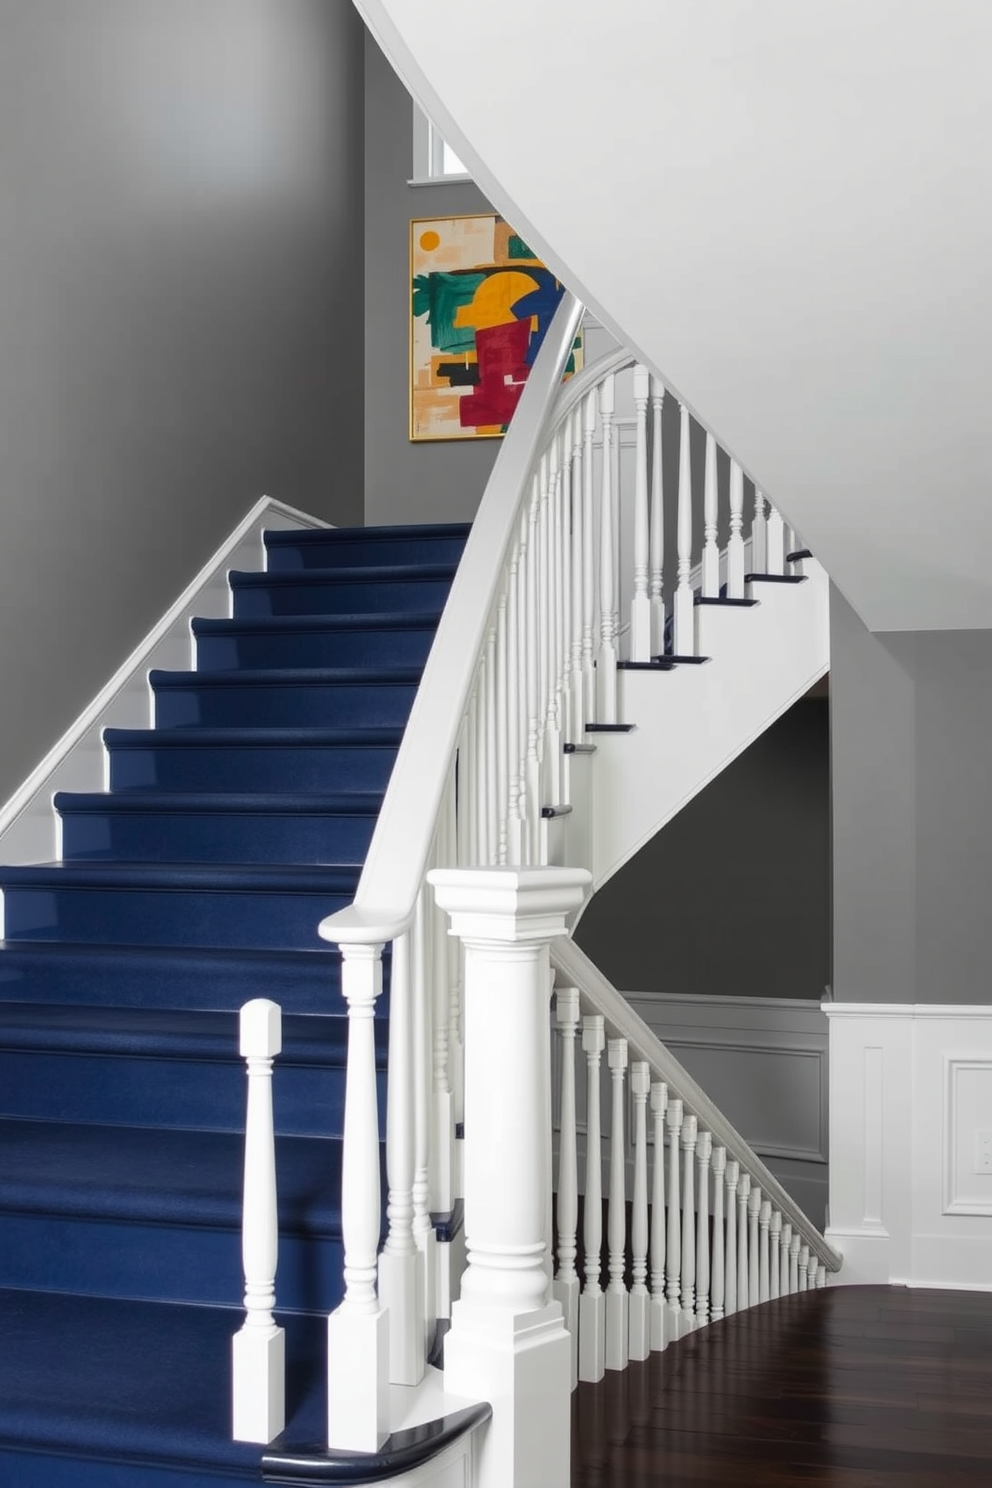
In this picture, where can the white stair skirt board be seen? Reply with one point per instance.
(29, 827)
(763, 659)
(910, 1092)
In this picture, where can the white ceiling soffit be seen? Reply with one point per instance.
(786, 209)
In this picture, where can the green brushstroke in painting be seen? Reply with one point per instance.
(440, 297)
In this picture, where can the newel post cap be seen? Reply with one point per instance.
(511, 905)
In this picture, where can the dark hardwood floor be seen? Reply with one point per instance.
(859, 1387)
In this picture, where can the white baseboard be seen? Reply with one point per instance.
(910, 1087)
(29, 827)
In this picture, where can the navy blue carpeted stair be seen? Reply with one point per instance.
(196, 882)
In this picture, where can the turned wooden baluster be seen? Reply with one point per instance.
(685, 614)
(735, 544)
(784, 1287)
(659, 1105)
(804, 1269)
(423, 1231)
(606, 664)
(730, 1272)
(592, 1303)
(551, 737)
(775, 1259)
(759, 546)
(794, 1248)
(704, 1152)
(753, 1210)
(566, 1287)
(640, 607)
(711, 548)
(719, 1282)
(259, 1348)
(617, 1303)
(639, 1329)
(674, 1257)
(743, 1269)
(775, 539)
(764, 1222)
(690, 1136)
(657, 539)
(589, 713)
(577, 719)
(821, 1275)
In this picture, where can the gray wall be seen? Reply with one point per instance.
(732, 897)
(404, 482)
(181, 290)
(912, 807)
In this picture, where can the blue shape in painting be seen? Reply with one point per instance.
(541, 302)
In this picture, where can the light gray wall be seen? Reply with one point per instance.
(731, 898)
(181, 290)
(404, 482)
(912, 806)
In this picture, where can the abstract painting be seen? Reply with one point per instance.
(480, 306)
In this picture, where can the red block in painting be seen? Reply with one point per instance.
(501, 352)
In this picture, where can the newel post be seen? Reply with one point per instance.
(508, 1342)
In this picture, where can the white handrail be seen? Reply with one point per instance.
(398, 856)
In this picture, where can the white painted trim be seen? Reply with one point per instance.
(915, 1010)
(29, 829)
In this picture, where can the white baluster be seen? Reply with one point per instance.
(730, 1273)
(753, 1210)
(502, 726)
(640, 608)
(443, 1120)
(589, 409)
(704, 1153)
(577, 721)
(775, 1262)
(423, 1230)
(514, 831)
(673, 1261)
(492, 750)
(711, 548)
(640, 1323)
(532, 790)
(784, 1287)
(685, 614)
(551, 742)
(358, 1330)
(592, 1304)
(719, 1261)
(617, 1303)
(821, 1275)
(401, 1268)
(259, 1348)
(735, 545)
(659, 1105)
(804, 1269)
(743, 1268)
(775, 538)
(759, 546)
(690, 1136)
(565, 676)
(657, 522)
(606, 665)
(481, 762)
(566, 1287)
(794, 1247)
(764, 1221)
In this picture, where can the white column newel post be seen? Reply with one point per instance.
(592, 1304)
(639, 1330)
(657, 522)
(759, 546)
(508, 1343)
(775, 539)
(401, 1271)
(764, 1221)
(673, 1321)
(617, 1302)
(358, 1330)
(259, 1348)
(804, 1269)
(775, 1258)
(783, 1287)
(730, 1272)
(743, 1269)
(795, 1245)
(719, 1262)
(685, 613)
(690, 1136)
(703, 1155)
(606, 662)
(711, 549)
(753, 1210)
(640, 609)
(566, 1285)
(659, 1105)
(735, 544)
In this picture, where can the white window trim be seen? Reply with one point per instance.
(428, 154)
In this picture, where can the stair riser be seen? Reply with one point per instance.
(321, 649)
(254, 918)
(258, 767)
(342, 598)
(302, 705)
(170, 1263)
(195, 837)
(353, 552)
(46, 1470)
(176, 1093)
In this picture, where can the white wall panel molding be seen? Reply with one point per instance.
(911, 1142)
(28, 824)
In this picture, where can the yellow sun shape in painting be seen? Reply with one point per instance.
(430, 240)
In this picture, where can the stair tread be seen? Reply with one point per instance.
(421, 531)
(336, 803)
(364, 676)
(161, 1175)
(71, 1381)
(226, 738)
(292, 624)
(379, 573)
(287, 878)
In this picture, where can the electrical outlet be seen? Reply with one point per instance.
(983, 1152)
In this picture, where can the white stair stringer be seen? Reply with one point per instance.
(691, 722)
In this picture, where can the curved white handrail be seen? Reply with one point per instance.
(397, 858)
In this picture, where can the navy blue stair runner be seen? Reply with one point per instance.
(196, 882)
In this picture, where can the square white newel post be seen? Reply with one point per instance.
(358, 1330)
(508, 1343)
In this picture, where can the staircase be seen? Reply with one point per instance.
(193, 884)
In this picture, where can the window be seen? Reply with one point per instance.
(433, 158)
